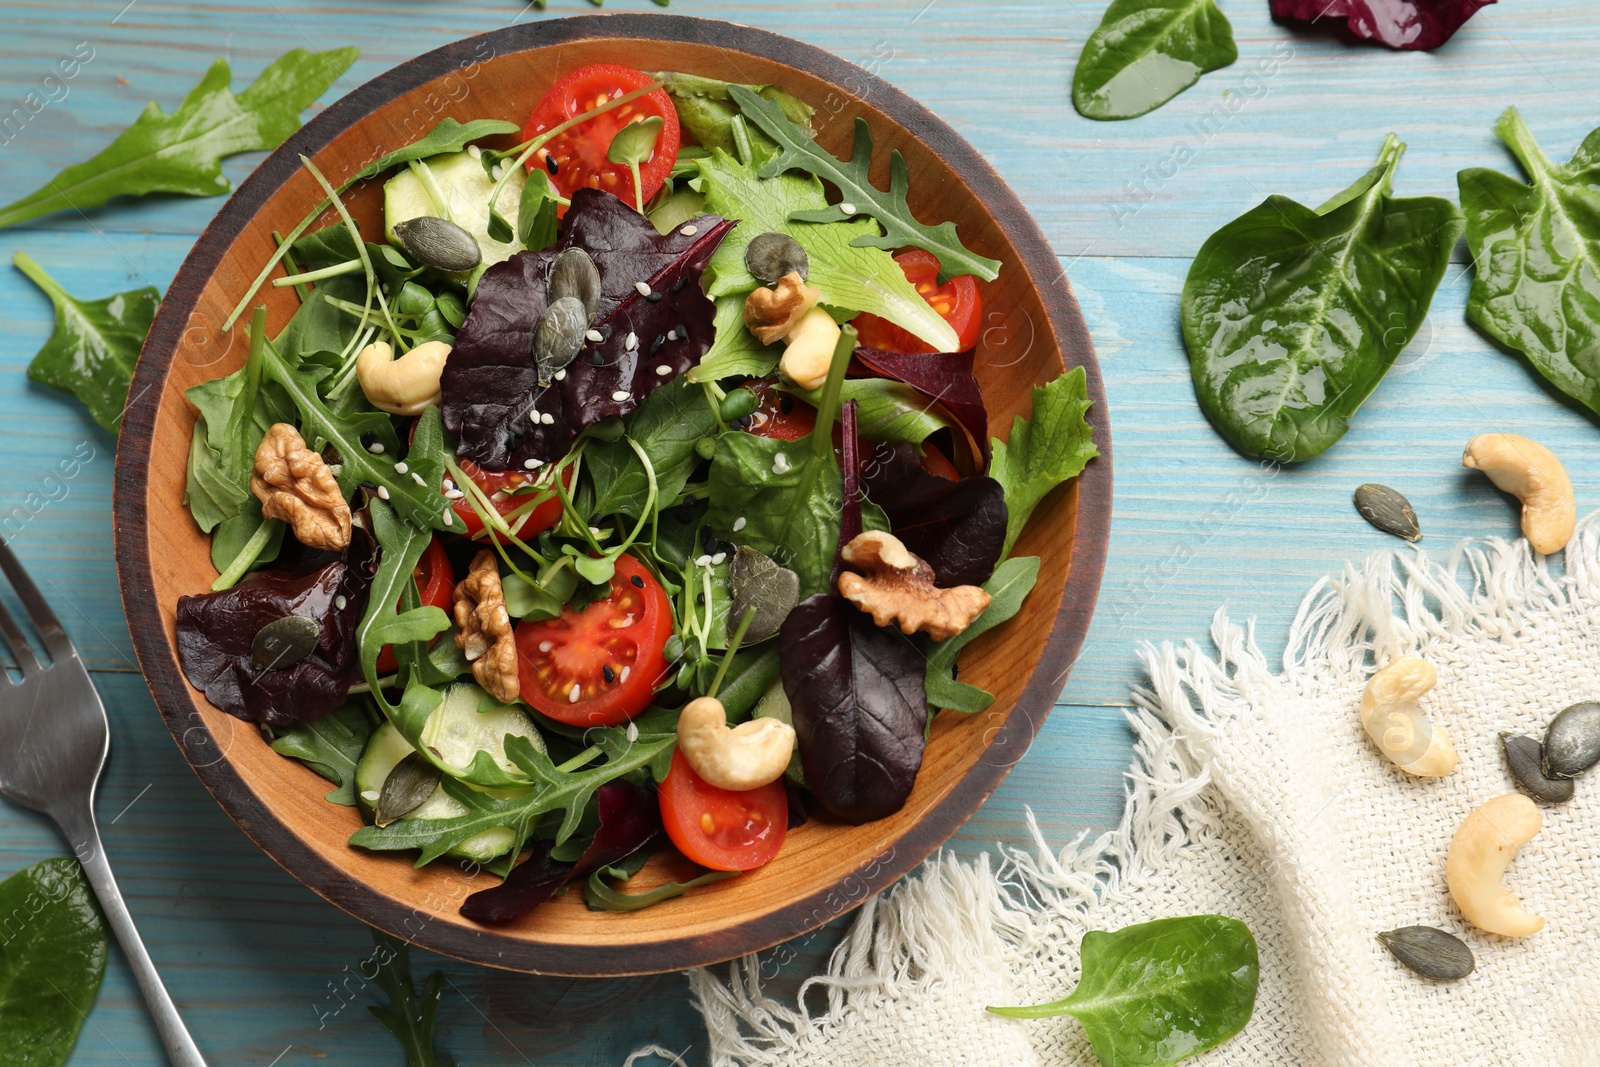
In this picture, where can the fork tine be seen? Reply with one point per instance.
(33, 602)
(18, 644)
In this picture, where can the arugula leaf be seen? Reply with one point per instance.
(1008, 587)
(707, 110)
(854, 182)
(735, 352)
(1292, 316)
(410, 1016)
(667, 424)
(52, 959)
(1159, 992)
(1049, 447)
(95, 343)
(182, 152)
(1536, 253)
(1145, 52)
(601, 897)
(393, 616)
(331, 746)
(851, 274)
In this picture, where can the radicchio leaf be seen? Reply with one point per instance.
(1414, 25)
(630, 818)
(959, 528)
(216, 632)
(858, 704)
(490, 384)
(942, 376)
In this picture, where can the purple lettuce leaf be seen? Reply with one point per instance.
(216, 632)
(490, 383)
(942, 376)
(959, 528)
(1414, 25)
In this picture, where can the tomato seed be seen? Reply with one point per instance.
(707, 823)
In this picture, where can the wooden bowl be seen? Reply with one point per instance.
(1033, 328)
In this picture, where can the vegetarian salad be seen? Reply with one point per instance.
(633, 481)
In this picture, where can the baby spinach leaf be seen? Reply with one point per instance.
(1293, 316)
(667, 425)
(1160, 992)
(95, 343)
(1408, 24)
(182, 152)
(52, 958)
(330, 746)
(706, 108)
(1536, 253)
(854, 182)
(1007, 587)
(1145, 52)
(1049, 447)
(410, 1016)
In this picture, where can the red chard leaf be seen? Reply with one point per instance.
(1414, 25)
(959, 528)
(945, 377)
(490, 386)
(850, 469)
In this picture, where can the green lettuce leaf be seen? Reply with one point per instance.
(1007, 587)
(1049, 447)
(734, 352)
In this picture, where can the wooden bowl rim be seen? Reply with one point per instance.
(488, 947)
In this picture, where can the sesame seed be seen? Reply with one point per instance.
(607, 673)
(632, 731)
(643, 287)
(548, 419)
(340, 602)
(561, 375)
(474, 151)
(401, 468)
(595, 360)
(595, 531)
(654, 298)
(637, 582)
(848, 208)
(595, 336)
(625, 672)
(738, 524)
(418, 479)
(780, 464)
(449, 483)
(376, 448)
(551, 165)
(663, 369)
(533, 417)
(371, 795)
(690, 230)
(449, 517)
(672, 334)
(575, 693)
(453, 494)
(498, 172)
(677, 286)
(530, 464)
(719, 559)
(702, 561)
(631, 342)
(621, 396)
(383, 492)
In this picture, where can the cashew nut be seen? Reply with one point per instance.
(404, 386)
(1531, 473)
(1479, 854)
(1402, 733)
(810, 349)
(746, 756)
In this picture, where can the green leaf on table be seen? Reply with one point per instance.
(1292, 316)
(850, 274)
(1145, 52)
(667, 425)
(854, 182)
(95, 343)
(1162, 991)
(1007, 587)
(1049, 447)
(735, 352)
(410, 1016)
(1536, 253)
(52, 957)
(331, 746)
(182, 152)
(707, 109)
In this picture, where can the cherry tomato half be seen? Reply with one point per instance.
(781, 416)
(580, 153)
(957, 301)
(501, 488)
(719, 828)
(436, 584)
(599, 666)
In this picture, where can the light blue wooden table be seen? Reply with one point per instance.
(259, 964)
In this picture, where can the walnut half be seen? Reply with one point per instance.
(294, 484)
(483, 628)
(771, 313)
(896, 586)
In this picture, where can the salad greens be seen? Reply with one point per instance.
(1159, 992)
(1049, 447)
(331, 746)
(94, 346)
(52, 958)
(1292, 316)
(1007, 587)
(182, 152)
(707, 109)
(409, 1015)
(1145, 52)
(1536, 252)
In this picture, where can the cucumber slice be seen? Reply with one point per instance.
(677, 209)
(386, 749)
(465, 188)
(468, 722)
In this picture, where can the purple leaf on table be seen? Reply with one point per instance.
(1413, 25)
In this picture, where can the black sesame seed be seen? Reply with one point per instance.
(699, 598)
(551, 165)
(677, 286)
(655, 346)
(786, 405)
(371, 487)
(708, 539)
(604, 330)
(638, 582)
(654, 296)
(683, 513)
(609, 674)
(596, 360)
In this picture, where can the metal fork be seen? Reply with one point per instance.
(54, 738)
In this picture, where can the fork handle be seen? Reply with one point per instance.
(78, 824)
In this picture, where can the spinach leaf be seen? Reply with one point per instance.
(1008, 587)
(95, 343)
(182, 152)
(52, 958)
(706, 109)
(735, 352)
(667, 426)
(1293, 316)
(1049, 447)
(1160, 992)
(410, 1016)
(1536, 253)
(1145, 52)
(1408, 24)
(851, 274)
(854, 182)
(331, 746)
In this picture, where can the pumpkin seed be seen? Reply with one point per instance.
(284, 642)
(756, 583)
(573, 273)
(411, 782)
(1572, 744)
(772, 255)
(1388, 510)
(1429, 952)
(558, 337)
(438, 243)
(1525, 757)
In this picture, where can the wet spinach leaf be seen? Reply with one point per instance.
(1407, 24)
(52, 958)
(1145, 52)
(1292, 316)
(1052, 445)
(331, 746)
(1008, 587)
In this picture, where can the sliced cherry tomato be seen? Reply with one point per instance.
(436, 584)
(781, 416)
(501, 488)
(580, 153)
(957, 301)
(720, 828)
(599, 666)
